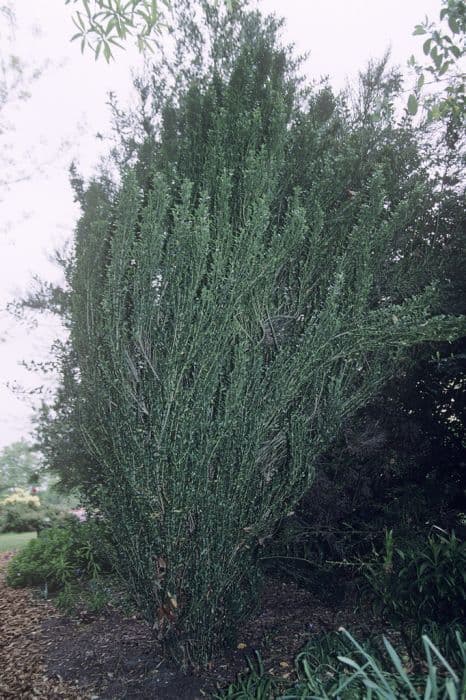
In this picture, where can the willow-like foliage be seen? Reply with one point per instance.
(229, 314)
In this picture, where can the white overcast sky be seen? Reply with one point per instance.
(67, 107)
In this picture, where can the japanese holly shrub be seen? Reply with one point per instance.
(232, 305)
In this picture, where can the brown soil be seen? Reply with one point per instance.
(114, 656)
(110, 656)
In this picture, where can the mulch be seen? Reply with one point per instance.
(110, 656)
(22, 665)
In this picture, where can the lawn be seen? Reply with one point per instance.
(15, 540)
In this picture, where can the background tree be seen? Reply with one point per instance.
(444, 47)
(103, 24)
(19, 465)
(16, 80)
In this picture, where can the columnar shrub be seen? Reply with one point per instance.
(232, 306)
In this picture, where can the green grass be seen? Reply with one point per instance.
(15, 540)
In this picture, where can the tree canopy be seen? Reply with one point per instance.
(19, 465)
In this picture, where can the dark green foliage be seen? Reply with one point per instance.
(58, 431)
(255, 684)
(444, 637)
(337, 666)
(398, 465)
(91, 595)
(59, 557)
(44, 561)
(258, 276)
(424, 581)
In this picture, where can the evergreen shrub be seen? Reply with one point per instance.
(232, 304)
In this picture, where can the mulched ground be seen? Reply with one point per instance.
(110, 656)
(22, 664)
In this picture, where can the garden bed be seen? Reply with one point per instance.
(117, 657)
(110, 655)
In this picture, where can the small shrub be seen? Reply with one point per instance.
(420, 582)
(22, 497)
(59, 557)
(91, 595)
(23, 516)
(19, 517)
(46, 560)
